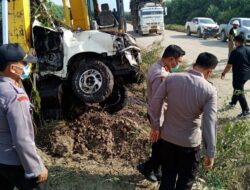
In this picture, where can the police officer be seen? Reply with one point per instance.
(189, 95)
(20, 165)
(157, 73)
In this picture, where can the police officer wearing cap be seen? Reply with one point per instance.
(20, 165)
(157, 73)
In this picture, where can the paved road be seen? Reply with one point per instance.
(191, 44)
(193, 47)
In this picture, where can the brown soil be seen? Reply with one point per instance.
(97, 134)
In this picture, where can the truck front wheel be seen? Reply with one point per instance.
(117, 100)
(92, 82)
(188, 31)
(199, 33)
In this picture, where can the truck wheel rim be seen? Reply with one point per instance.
(90, 81)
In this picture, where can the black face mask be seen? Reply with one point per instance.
(234, 27)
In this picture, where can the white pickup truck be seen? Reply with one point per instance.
(201, 26)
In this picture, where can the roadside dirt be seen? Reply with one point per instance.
(99, 151)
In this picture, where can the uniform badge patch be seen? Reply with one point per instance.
(22, 98)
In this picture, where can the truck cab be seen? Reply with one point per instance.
(199, 25)
(151, 19)
(147, 16)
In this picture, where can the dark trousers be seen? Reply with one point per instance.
(153, 164)
(179, 166)
(13, 176)
(239, 94)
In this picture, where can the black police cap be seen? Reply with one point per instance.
(13, 52)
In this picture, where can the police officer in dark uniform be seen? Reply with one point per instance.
(20, 165)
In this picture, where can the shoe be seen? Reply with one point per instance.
(244, 114)
(149, 175)
(231, 105)
(158, 173)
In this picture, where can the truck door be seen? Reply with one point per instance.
(194, 25)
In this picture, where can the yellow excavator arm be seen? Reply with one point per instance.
(79, 10)
(19, 23)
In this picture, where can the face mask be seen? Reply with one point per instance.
(26, 71)
(175, 69)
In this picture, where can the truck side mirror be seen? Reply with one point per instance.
(165, 11)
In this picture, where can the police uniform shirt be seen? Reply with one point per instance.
(17, 146)
(156, 74)
(189, 95)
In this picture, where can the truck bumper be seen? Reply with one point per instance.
(247, 37)
(152, 29)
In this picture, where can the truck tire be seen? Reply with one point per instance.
(140, 32)
(199, 33)
(188, 31)
(223, 36)
(204, 36)
(117, 100)
(92, 82)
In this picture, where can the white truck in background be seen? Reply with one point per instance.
(202, 26)
(243, 29)
(147, 16)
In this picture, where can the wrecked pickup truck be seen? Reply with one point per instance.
(83, 67)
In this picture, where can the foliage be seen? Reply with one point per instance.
(56, 10)
(47, 13)
(127, 16)
(233, 149)
(176, 27)
(180, 11)
(150, 55)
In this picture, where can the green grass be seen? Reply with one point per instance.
(232, 162)
(176, 27)
(151, 55)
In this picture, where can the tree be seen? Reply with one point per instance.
(179, 11)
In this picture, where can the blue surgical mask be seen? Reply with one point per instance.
(26, 72)
(175, 69)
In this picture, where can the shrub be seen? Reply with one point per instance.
(176, 27)
(233, 147)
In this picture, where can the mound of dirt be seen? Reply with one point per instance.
(98, 133)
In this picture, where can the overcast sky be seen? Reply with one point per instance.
(126, 3)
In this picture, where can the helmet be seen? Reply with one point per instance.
(236, 22)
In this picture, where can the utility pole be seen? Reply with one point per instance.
(5, 21)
